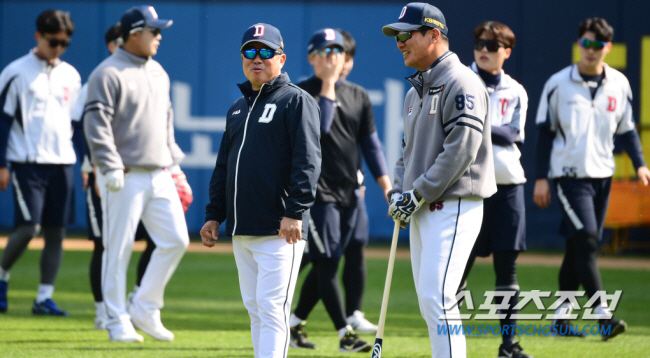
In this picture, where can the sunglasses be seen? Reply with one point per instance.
(56, 42)
(154, 30)
(595, 44)
(490, 45)
(403, 36)
(324, 52)
(264, 52)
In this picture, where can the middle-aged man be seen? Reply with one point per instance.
(263, 185)
(37, 93)
(130, 131)
(446, 169)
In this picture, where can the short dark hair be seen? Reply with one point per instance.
(597, 25)
(349, 44)
(114, 32)
(501, 32)
(54, 21)
(424, 29)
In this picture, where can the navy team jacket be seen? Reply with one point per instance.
(269, 160)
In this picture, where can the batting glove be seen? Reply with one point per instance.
(184, 190)
(114, 179)
(401, 208)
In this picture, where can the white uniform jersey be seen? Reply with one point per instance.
(39, 97)
(77, 115)
(508, 106)
(585, 127)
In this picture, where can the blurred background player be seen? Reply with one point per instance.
(582, 108)
(37, 94)
(129, 89)
(503, 232)
(346, 124)
(113, 38)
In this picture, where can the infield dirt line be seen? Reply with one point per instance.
(372, 252)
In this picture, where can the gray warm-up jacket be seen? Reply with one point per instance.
(447, 149)
(128, 118)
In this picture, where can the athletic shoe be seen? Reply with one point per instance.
(150, 324)
(101, 322)
(3, 296)
(616, 327)
(566, 329)
(512, 350)
(361, 324)
(47, 307)
(299, 337)
(124, 332)
(350, 343)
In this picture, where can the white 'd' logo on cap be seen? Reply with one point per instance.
(330, 35)
(153, 12)
(401, 14)
(259, 31)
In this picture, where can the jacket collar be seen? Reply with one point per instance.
(575, 73)
(503, 83)
(41, 62)
(419, 78)
(126, 55)
(282, 80)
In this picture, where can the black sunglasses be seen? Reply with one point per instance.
(403, 36)
(491, 45)
(154, 30)
(595, 44)
(56, 42)
(264, 52)
(327, 51)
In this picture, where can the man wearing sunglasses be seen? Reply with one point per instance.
(129, 126)
(37, 94)
(504, 218)
(263, 185)
(446, 169)
(582, 108)
(346, 125)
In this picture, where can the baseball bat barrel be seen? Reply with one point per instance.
(376, 350)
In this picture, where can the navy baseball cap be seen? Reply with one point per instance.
(264, 33)
(415, 15)
(141, 16)
(324, 38)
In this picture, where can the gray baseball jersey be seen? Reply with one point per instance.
(447, 149)
(128, 118)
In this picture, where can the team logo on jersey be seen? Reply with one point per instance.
(66, 93)
(436, 206)
(236, 112)
(259, 31)
(267, 114)
(611, 104)
(410, 111)
(503, 102)
(434, 90)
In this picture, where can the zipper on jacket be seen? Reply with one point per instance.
(250, 110)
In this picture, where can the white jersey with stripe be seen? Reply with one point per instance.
(39, 97)
(508, 106)
(584, 127)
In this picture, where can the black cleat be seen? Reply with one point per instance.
(615, 326)
(350, 343)
(566, 329)
(299, 337)
(512, 350)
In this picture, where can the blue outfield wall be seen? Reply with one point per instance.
(201, 54)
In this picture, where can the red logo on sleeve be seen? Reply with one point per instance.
(611, 104)
(65, 93)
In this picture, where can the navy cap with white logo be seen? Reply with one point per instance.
(324, 38)
(141, 16)
(264, 33)
(415, 15)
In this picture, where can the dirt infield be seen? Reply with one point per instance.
(372, 252)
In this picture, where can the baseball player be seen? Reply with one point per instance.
(37, 93)
(504, 217)
(581, 109)
(346, 124)
(129, 127)
(446, 169)
(263, 185)
(113, 38)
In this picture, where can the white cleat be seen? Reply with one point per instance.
(150, 325)
(100, 322)
(124, 332)
(360, 324)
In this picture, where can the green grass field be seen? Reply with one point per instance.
(203, 308)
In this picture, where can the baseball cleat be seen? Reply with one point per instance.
(360, 324)
(47, 308)
(566, 329)
(299, 337)
(3, 296)
(124, 332)
(350, 343)
(150, 325)
(616, 327)
(512, 350)
(100, 322)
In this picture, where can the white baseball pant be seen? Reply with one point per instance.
(149, 195)
(268, 269)
(442, 238)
